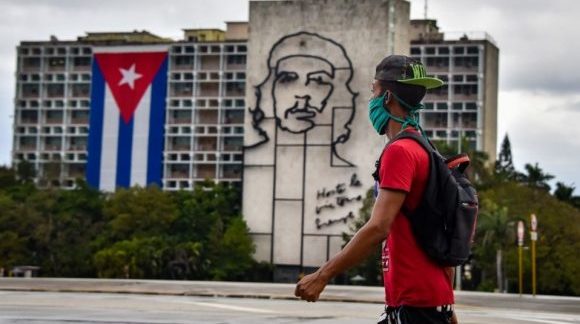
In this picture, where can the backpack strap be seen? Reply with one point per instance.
(425, 143)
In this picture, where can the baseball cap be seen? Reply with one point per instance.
(405, 70)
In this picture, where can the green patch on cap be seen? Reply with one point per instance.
(420, 77)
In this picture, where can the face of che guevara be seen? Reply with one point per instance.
(302, 87)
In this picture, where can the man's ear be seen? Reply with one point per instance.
(388, 96)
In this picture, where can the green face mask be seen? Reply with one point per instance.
(379, 116)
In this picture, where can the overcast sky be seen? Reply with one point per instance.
(539, 97)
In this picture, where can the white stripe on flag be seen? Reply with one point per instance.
(110, 142)
(141, 140)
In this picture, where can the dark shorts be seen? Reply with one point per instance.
(416, 315)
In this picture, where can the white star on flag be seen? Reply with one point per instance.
(129, 76)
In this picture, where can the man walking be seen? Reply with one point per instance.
(417, 290)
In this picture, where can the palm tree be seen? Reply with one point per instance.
(536, 177)
(566, 194)
(497, 231)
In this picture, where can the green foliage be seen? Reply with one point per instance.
(504, 166)
(536, 178)
(371, 268)
(132, 233)
(559, 236)
(566, 194)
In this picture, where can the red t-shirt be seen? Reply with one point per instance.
(410, 277)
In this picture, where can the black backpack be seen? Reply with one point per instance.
(444, 221)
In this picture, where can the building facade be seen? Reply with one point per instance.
(465, 109)
(204, 106)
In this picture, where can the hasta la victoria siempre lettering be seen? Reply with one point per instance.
(320, 224)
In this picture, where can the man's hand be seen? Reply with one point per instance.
(453, 319)
(310, 287)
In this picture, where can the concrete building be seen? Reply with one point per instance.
(466, 107)
(204, 106)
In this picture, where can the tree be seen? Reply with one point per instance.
(558, 237)
(370, 269)
(25, 171)
(536, 178)
(504, 166)
(139, 212)
(496, 232)
(566, 194)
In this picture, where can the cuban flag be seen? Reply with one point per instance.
(128, 90)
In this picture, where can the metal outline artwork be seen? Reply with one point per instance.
(258, 115)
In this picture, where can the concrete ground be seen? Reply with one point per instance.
(134, 301)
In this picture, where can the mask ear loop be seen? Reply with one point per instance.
(413, 118)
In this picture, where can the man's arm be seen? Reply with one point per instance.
(386, 208)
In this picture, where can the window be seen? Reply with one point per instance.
(459, 50)
(469, 120)
(80, 90)
(415, 51)
(429, 50)
(444, 50)
(183, 61)
(471, 78)
(465, 89)
(458, 78)
(435, 120)
(55, 90)
(56, 63)
(438, 61)
(457, 106)
(470, 106)
(82, 62)
(31, 63)
(30, 90)
(468, 62)
(442, 106)
(236, 59)
(472, 50)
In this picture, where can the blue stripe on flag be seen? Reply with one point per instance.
(124, 150)
(95, 140)
(156, 126)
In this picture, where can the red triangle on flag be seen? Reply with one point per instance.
(128, 76)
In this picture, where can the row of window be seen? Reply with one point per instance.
(203, 76)
(207, 62)
(207, 103)
(455, 106)
(445, 50)
(205, 130)
(470, 134)
(55, 50)
(53, 103)
(463, 120)
(54, 77)
(217, 48)
(444, 62)
(202, 157)
(189, 184)
(52, 90)
(57, 63)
